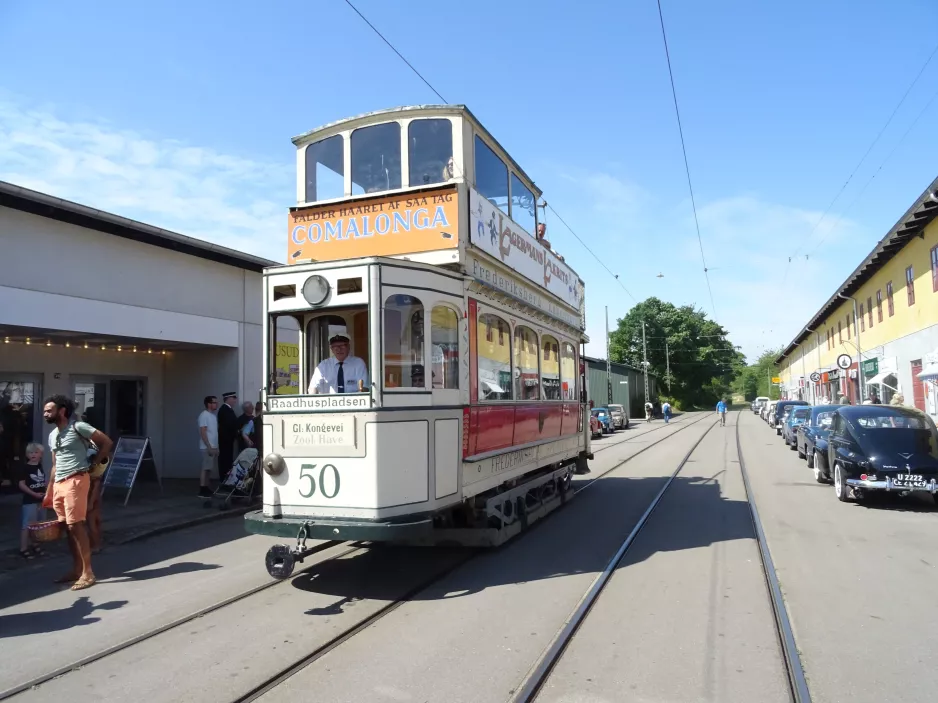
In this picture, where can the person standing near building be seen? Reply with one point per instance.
(246, 428)
(68, 491)
(208, 444)
(227, 434)
(32, 484)
(721, 411)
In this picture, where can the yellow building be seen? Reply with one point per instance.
(878, 333)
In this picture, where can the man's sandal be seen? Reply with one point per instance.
(84, 583)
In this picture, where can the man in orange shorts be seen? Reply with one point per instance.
(67, 493)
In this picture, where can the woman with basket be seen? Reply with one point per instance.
(68, 492)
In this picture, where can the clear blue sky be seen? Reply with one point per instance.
(180, 114)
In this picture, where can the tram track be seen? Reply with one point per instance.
(336, 641)
(538, 675)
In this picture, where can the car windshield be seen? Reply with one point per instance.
(824, 420)
(800, 415)
(896, 434)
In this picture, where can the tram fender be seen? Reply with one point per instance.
(257, 523)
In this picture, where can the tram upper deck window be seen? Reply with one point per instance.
(493, 354)
(403, 342)
(550, 368)
(430, 151)
(325, 169)
(376, 158)
(491, 176)
(568, 374)
(522, 205)
(444, 346)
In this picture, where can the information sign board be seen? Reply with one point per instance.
(130, 455)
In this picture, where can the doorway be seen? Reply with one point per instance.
(114, 405)
(20, 420)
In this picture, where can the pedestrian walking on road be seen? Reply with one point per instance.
(666, 411)
(208, 444)
(721, 411)
(68, 492)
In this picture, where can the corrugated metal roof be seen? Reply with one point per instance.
(911, 224)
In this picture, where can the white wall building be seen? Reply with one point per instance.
(138, 322)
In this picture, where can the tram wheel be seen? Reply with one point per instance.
(279, 561)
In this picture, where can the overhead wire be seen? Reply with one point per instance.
(861, 161)
(552, 209)
(690, 186)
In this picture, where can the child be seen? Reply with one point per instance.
(32, 484)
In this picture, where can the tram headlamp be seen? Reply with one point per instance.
(274, 464)
(316, 290)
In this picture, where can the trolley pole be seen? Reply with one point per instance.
(608, 360)
(645, 360)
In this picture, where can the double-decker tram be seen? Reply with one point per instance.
(434, 391)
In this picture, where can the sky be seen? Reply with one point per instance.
(180, 115)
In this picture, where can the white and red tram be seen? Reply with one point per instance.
(414, 238)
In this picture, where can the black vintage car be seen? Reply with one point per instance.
(811, 440)
(882, 448)
(780, 408)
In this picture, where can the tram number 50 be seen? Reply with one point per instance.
(308, 472)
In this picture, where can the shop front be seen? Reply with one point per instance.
(884, 381)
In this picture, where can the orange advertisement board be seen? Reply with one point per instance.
(404, 223)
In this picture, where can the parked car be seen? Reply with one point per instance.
(620, 418)
(882, 448)
(758, 403)
(796, 417)
(596, 427)
(605, 418)
(811, 440)
(768, 411)
(780, 407)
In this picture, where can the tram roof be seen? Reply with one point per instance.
(404, 111)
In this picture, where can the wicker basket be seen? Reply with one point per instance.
(48, 531)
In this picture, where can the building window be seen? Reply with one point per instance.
(403, 342)
(430, 151)
(376, 158)
(550, 368)
(325, 169)
(869, 310)
(494, 358)
(568, 372)
(889, 301)
(491, 176)
(862, 319)
(879, 305)
(848, 326)
(444, 348)
(840, 334)
(527, 374)
(910, 285)
(934, 269)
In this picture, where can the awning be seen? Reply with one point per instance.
(878, 379)
(929, 373)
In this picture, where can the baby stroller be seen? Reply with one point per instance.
(240, 483)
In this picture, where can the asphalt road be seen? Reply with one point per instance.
(685, 617)
(860, 580)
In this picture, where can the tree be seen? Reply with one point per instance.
(756, 379)
(703, 362)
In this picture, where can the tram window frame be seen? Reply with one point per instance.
(502, 340)
(449, 368)
(313, 156)
(381, 145)
(386, 323)
(520, 349)
(530, 215)
(546, 340)
(491, 170)
(446, 170)
(574, 392)
(273, 340)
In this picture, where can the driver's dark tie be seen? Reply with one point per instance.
(340, 380)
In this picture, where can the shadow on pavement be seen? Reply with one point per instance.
(181, 567)
(578, 539)
(34, 582)
(76, 615)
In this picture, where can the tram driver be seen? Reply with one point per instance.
(341, 372)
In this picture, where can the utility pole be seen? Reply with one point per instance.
(608, 360)
(667, 361)
(645, 360)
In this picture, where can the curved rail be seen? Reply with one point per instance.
(536, 677)
(796, 677)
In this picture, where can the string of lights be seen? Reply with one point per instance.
(126, 348)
